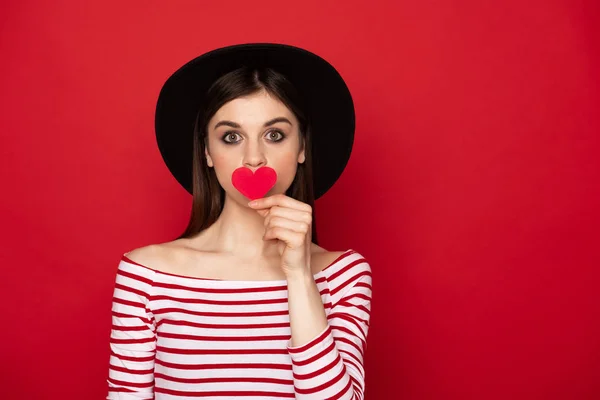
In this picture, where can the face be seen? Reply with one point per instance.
(254, 131)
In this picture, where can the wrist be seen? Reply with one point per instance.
(303, 275)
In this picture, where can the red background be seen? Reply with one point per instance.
(473, 187)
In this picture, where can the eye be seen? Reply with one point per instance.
(273, 135)
(229, 134)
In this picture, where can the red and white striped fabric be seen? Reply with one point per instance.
(177, 337)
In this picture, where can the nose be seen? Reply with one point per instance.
(254, 156)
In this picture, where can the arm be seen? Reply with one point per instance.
(132, 338)
(327, 352)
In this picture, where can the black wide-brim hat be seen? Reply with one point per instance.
(328, 99)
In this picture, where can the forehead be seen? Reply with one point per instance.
(253, 109)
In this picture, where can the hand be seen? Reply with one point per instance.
(290, 222)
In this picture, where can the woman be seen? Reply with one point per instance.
(245, 304)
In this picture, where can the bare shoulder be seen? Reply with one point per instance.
(178, 257)
(322, 258)
(158, 256)
(148, 256)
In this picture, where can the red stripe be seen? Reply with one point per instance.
(224, 393)
(133, 276)
(132, 341)
(168, 310)
(136, 304)
(342, 315)
(350, 342)
(174, 286)
(322, 386)
(121, 390)
(224, 366)
(123, 315)
(313, 342)
(364, 284)
(224, 326)
(359, 306)
(346, 268)
(352, 320)
(171, 350)
(131, 371)
(219, 302)
(351, 355)
(258, 289)
(131, 358)
(358, 295)
(133, 384)
(319, 371)
(277, 300)
(130, 289)
(346, 389)
(349, 281)
(356, 386)
(130, 328)
(317, 356)
(223, 338)
(349, 332)
(348, 361)
(224, 380)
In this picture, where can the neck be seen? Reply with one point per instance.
(239, 230)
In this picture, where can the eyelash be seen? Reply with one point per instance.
(271, 131)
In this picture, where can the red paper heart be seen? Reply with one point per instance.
(254, 185)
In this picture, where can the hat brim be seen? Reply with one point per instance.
(328, 98)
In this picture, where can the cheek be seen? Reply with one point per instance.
(286, 167)
(220, 161)
(222, 158)
(223, 167)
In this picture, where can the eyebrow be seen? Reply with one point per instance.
(268, 123)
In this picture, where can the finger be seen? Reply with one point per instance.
(263, 212)
(290, 213)
(296, 226)
(292, 239)
(281, 200)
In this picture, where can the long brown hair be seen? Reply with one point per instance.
(208, 195)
